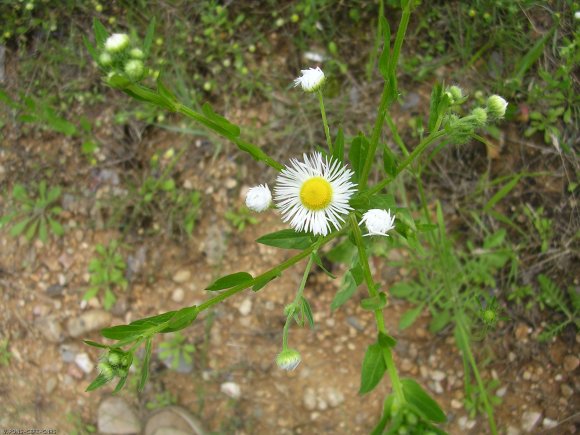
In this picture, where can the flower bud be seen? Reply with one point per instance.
(455, 94)
(496, 106)
(106, 370)
(117, 42)
(114, 358)
(288, 359)
(122, 373)
(134, 70)
(105, 59)
(125, 360)
(311, 80)
(259, 198)
(479, 116)
(136, 53)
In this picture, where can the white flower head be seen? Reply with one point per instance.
(117, 42)
(313, 195)
(288, 359)
(379, 222)
(577, 15)
(496, 106)
(311, 80)
(134, 69)
(259, 198)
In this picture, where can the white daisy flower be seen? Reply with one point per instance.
(259, 198)
(314, 194)
(117, 42)
(311, 80)
(288, 359)
(379, 222)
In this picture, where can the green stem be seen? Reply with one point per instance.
(379, 319)
(400, 36)
(324, 121)
(396, 137)
(296, 299)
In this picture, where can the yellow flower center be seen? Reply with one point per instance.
(316, 193)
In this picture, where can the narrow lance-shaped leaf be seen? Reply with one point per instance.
(145, 366)
(373, 368)
(422, 402)
(149, 37)
(230, 281)
(286, 239)
(101, 33)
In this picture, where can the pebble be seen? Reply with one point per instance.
(522, 331)
(50, 329)
(178, 295)
(530, 419)
(83, 361)
(501, 392)
(116, 416)
(89, 321)
(566, 390)
(309, 399)
(182, 276)
(456, 404)
(54, 290)
(50, 385)
(230, 183)
(512, 431)
(67, 352)
(437, 375)
(245, 307)
(548, 423)
(335, 397)
(465, 423)
(571, 363)
(231, 389)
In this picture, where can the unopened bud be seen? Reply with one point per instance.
(136, 53)
(105, 59)
(114, 358)
(496, 106)
(288, 359)
(479, 116)
(106, 370)
(456, 94)
(117, 42)
(134, 70)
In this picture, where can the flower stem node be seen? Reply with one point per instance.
(137, 53)
(496, 106)
(311, 79)
(288, 359)
(379, 222)
(134, 70)
(289, 310)
(116, 43)
(259, 198)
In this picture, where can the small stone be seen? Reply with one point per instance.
(231, 389)
(245, 307)
(55, 290)
(548, 423)
(50, 328)
(456, 404)
(522, 331)
(334, 397)
(84, 362)
(321, 404)
(50, 385)
(570, 363)
(501, 392)
(566, 390)
(511, 357)
(89, 321)
(309, 399)
(437, 375)
(527, 376)
(465, 423)
(67, 352)
(230, 183)
(530, 419)
(512, 431)
(182, 276)
(178, 295)
(115, 416)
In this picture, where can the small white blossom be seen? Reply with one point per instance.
(577, 15)
(379, 222)
(259, 198)
(288, 359)
(134, 69)
(311, 80)
(117, 42)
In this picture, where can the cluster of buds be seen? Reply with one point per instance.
(462, 128)
(115, 364)
(118, 57)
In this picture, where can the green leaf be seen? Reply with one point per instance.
(17, 229)
(263, 281)
(43, 230)
(531, 56)
(318, 262)
(346, 291)
(181, 319)
(307, 311)
(502, 193)
(90, 48)
(145, 366)
(123, 332)
(97, 383)
(164, 91)
(410, 316)
(357, 154)
(120, 384)
(377, 302)
(56, 227)
(422, 402)
(440, 320)
(341, 253)
(383, 201)
(384, 60)
(53, 194)
(373, 368)
(389, 162)
(338, 150)
(149, 37)
(286, 239)
(101, 33)
(109, 299)
(219, 123)
(386, 341)
(379, 429)
(31, 230)
(230, 281)
(19, 193)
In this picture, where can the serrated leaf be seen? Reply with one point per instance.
(410, 317)
(286, 239)
(373, 368)
(230, 281)
(422, 402)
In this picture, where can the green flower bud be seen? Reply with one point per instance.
(121, 373)
(125, 360)
(455, 93)
(117, 43)
(288, 359)
(136, 53)
(479, 116)
(114, 358)
(496, 106)
(106, 370)
(489, 317)
(134, 70)
(105, 59)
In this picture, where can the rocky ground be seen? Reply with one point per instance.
(233, 384)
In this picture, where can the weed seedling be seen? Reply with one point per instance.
(107, 273)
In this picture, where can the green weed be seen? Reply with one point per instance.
(177, 349)
(107, 273)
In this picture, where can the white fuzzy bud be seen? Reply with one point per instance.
(379, 222)
(117, 42)
(496, 106)
(288, 359)
(259, 198)
(311, 80)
